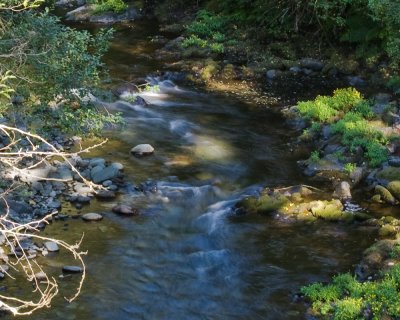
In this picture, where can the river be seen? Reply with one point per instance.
(186, 256)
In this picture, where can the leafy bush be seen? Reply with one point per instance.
(86, 120)
(348, 112)
(346, 298)
(349, 168)
(109, 5)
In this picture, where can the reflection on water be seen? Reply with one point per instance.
(186, 257)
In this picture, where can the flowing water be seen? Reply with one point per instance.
(186, 256)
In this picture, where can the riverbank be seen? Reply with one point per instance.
(208, 146)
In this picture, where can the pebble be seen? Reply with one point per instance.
(51, 246)
(107, 183)
(92, 216)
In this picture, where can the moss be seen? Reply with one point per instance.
(306, 216)
(268, 203)
(376, 198)
(394, 188)
(264, 204)
(389, 173)
(385, 194)
(330, 210)
(296, 197)
(387, 230)
(362, 216)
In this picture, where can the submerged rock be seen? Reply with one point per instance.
(72, 269)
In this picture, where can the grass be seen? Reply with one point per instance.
(346, 298)
(348, 115)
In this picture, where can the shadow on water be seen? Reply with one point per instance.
(186, 257)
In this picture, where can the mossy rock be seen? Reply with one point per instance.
(264, 204)
(306, 216)
(387, 230)
(385, 194)
(394, 188)
(296, 197)
(330, 210)
(361, 216)
(376, 198)
(389, 174)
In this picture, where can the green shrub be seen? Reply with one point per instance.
(317, 110)
(109, 5)
(195, 41)
(350, 167)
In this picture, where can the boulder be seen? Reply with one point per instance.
(142, 150)
(124, 209)
(343, 191)
(108, 173)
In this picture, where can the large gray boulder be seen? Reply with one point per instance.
(108, 173)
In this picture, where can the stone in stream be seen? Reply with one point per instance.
(343, 191)
(72, 269)
(40, 276)
(51, 246)
(107, 173)
(124, 209)
(142, 150)
(105, 194)
(92, 216)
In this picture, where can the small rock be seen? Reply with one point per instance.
(107, 173)
(117, 165)
(312, 64)
(40, 276)
(51, 246)
(295, 70)
(72, 269)
(83, 199)
(142, 150)
(272, 74)
(125, 210)
(91, 216)
(97, 162)
(105, 194)
(107, 183)
(113, 187)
